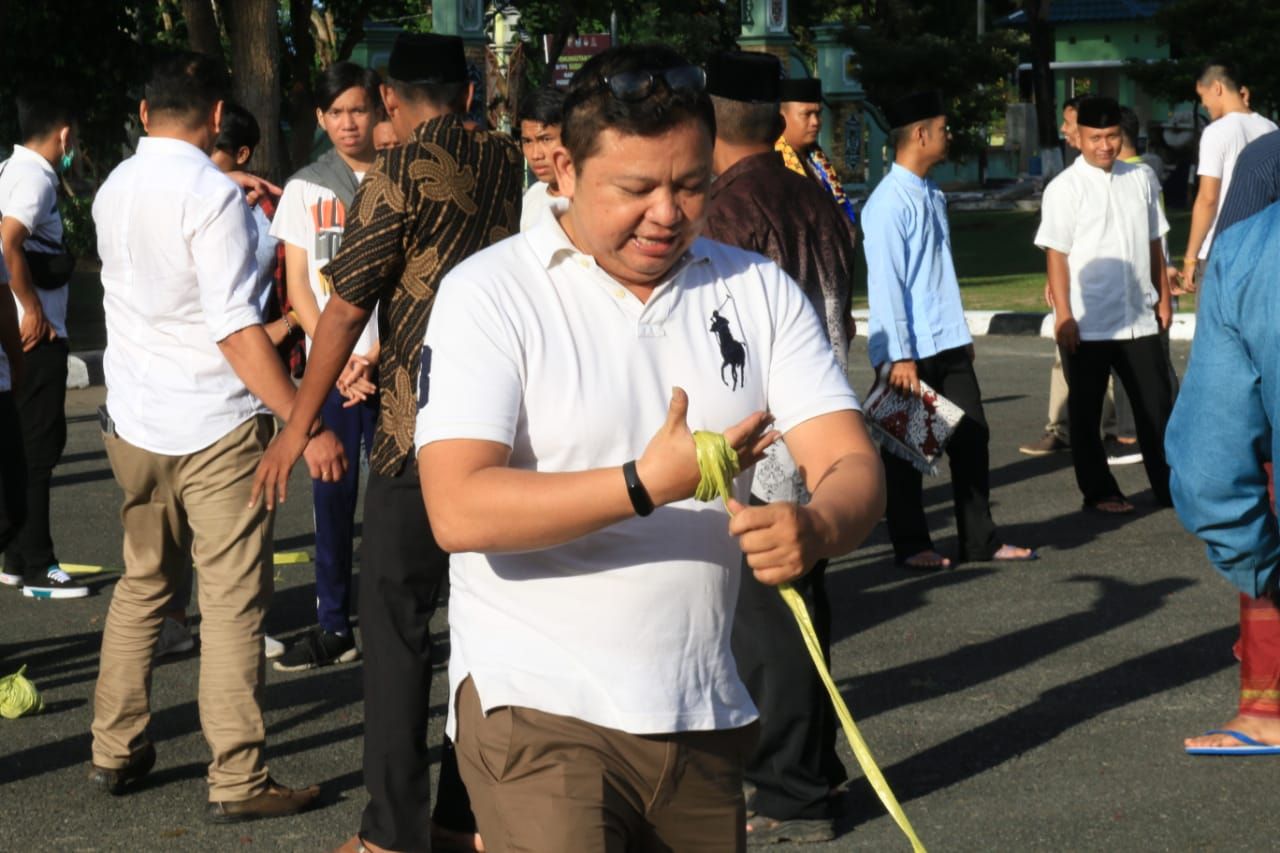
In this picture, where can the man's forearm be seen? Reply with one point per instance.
(10, 337)
(1159, 275)
(337, 331)
(1202, 215)
(847, 504)
(499, 509)
(15, 258)
(1059, 274)
(255, 361)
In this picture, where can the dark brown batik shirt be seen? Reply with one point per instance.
(423, 208)
(760, 205)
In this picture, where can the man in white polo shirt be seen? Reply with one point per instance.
(595, 702)
(191, 376)
(1100, 227)
(31, 235)
(1232, 126)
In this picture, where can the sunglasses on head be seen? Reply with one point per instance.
(637, 85)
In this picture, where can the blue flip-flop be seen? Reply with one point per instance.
(1248, 746)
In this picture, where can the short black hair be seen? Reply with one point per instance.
(239, 130)
(442, 96)
(341, 76)
(545, 106)
(747, 123)
(591, 108)
(1222, 71)
(185, 86)
(1073, 103)
(1129, 125)
(42, 112)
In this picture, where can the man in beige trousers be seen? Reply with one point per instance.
(191, 379)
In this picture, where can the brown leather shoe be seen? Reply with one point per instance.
(273, 801)
(116, 781)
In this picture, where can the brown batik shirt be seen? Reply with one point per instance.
(760, 205)
(423, 208)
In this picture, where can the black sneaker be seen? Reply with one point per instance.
(318, 648)
(54, 583)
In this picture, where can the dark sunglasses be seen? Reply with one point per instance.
(632, 86)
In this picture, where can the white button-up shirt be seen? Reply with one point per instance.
(1104, 223)
(534, 346)
(178, 273)
(29, 194)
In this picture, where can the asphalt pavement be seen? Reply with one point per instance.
(1029, 707)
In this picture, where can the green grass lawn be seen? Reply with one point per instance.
(1000, 269)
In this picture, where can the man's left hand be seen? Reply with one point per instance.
(325, 457)
(775, 538)
(255, 188)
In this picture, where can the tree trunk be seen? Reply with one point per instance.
(255, 72)
(302, 112)
(1042, 84)
(202, 27)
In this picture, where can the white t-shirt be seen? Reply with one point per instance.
(312, 217)
(627, 627)
(1220, 145)
(178, 275)
(1104, 223)
(29, 194)
(536, 202)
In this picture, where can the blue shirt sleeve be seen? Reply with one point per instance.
(1220, 433)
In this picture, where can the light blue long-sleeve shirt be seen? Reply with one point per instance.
(1223, 425)
(911, 278)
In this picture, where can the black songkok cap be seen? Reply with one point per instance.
(1098, 112)
(744, 76)
(806, 90)
(914, 108)
(427, 58)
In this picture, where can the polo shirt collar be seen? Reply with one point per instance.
(551, 245)
(22, 154)
(171, 147)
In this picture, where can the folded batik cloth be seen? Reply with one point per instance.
(915, 429)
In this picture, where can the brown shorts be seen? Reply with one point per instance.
(544, 783)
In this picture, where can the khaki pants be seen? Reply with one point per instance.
(201, 498)
(543, 783)
(1117, 416)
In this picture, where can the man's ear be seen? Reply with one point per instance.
(471, 97)
(243, 155)
(216, 118)
(143, 114)
(566, 175)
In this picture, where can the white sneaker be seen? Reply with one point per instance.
(273, 647)
(10, 579)
(175, 638)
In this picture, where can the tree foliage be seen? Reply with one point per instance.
(1242, 31)
(905, 47)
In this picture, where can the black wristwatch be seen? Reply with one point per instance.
(640, 500)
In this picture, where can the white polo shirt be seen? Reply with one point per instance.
(1104, 223)
(177, 245)
(29, 194)
(531, 345)
(538, 203)
(1220, 144)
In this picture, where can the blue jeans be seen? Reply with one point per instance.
(335, 510)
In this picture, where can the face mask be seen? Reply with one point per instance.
(64, 165)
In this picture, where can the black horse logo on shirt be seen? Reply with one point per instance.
(733, 352)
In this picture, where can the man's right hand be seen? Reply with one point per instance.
(904, 378)
(1067, 333)
(668, 468)
(35, 328)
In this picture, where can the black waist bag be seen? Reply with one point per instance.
(50, 270)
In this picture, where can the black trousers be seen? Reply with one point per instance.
(401, 575)
(13, 471)
(950, 373)
(1143, 367)
(41, 402)
(794, 765)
